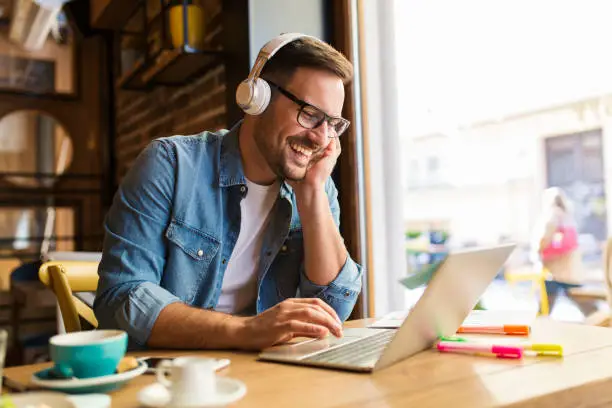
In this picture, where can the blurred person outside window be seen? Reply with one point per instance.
(555, 247)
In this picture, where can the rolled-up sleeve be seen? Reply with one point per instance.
(342, 292)
(129, 296)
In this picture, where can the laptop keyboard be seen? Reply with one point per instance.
(359, 353)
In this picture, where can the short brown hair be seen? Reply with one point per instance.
(309, 53)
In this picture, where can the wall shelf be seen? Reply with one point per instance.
(111, 14)
(132, 79)
(167, 56)
(176, 67)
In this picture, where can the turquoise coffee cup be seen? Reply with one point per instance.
(87, 354)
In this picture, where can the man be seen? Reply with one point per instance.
(230, 239)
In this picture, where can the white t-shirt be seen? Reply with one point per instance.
(239, 288)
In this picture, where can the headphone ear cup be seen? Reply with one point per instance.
(261, 97)
(244, 94)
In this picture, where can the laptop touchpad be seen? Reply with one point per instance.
(309, 346)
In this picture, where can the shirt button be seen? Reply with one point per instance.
(242, 189)
(284, 248)
(200, 252)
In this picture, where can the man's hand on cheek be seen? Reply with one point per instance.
(319, 169)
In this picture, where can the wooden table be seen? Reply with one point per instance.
(429, 379)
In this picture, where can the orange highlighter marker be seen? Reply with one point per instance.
(519, 330)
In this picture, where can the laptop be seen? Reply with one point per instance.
(448, 299)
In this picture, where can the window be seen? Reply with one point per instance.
(413, 173)
(36, 58)
(431, 71)
(433, 170)
(433, 164)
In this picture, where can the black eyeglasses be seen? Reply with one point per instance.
(311, 117)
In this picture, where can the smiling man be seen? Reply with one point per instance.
(230, 239)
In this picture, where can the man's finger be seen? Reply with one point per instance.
(313, 314)
(285, 337)
(303, 329)
(332, 318)
(322, 304)
(308, 335)
(332, 147)
(294, 335)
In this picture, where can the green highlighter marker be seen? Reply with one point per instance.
(452, 338)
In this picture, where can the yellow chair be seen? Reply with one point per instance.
(66, 277)
(538, 283)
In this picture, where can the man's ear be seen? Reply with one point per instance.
(271, 108)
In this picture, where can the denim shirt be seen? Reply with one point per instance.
(173, 224)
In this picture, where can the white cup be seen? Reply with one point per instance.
(193, 380)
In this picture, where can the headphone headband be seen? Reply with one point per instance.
(271, 48)
(253, 94)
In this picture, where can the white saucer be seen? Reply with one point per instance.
(157, 395)
(57, 400)
(53, 399)
(87, 385)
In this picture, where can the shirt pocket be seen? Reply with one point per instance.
(189, 258)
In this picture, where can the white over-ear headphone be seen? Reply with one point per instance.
(253, 94)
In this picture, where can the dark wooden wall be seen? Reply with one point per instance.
(86, 120)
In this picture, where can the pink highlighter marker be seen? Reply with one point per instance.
(480, 349)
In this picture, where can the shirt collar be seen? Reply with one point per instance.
(286, 190)
(231, 172)
(230, 167)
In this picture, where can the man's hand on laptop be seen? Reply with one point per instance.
(309, 317)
